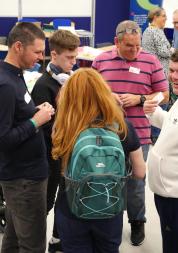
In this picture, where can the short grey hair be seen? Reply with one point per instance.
(129, 25)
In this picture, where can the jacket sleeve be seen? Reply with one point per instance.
(131, 142)
(40, 94)
(156, 118)
(10, 135)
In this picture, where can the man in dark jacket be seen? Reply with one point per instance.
(23, 163)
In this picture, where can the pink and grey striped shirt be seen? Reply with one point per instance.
(150, 79)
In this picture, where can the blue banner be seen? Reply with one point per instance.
(139, 10)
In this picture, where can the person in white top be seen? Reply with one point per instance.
(163, 162)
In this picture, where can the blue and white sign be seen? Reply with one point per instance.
(139, 10)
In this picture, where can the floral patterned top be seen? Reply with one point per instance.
(154, 41)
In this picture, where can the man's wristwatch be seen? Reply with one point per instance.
(142, 99)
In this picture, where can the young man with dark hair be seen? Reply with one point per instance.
(64, 48)
(23, 163)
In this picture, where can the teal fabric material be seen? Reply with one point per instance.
(96, 175)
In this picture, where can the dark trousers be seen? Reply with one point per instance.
(168, 212)
(53, 183)
(89, 236)
(55, 230)
(136, 195)
(25, 231)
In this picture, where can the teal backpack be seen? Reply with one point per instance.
(96, 177)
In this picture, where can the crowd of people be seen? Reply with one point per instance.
(38, 133)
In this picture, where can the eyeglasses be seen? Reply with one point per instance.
(130, 31)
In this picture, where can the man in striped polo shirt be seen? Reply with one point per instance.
(134, 76)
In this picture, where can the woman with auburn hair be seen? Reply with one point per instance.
(87, 101)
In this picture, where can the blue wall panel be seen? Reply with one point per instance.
(6, 24)
(108, 14)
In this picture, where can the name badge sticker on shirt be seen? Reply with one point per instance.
(27, 97)
(134, 70)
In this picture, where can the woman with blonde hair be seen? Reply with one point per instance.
(154, 39)
(87, 101)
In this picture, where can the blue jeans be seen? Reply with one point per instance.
(136, 195)
(89, 236)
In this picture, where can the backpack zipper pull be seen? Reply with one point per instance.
(99, 140)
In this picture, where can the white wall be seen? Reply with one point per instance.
(170, 6)
(64, 8)
(47, 8)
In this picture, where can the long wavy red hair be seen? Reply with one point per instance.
(84, 98)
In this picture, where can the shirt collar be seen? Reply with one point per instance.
(7, 66)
